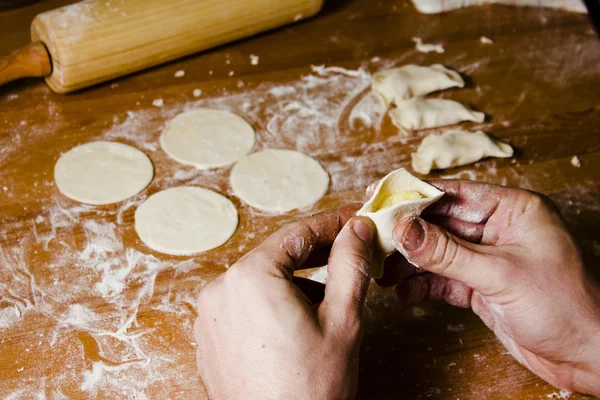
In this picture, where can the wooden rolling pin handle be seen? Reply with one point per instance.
(32, 60)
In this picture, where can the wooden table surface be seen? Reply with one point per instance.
(88, 311)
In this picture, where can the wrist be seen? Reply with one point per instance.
(586, 378)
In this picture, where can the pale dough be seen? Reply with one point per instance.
(411, 81)
(102, 172)
(279, 180)
(417, 114)
(186, 220)
(207, 138)
(455, 148)
(427, 47)
(411, 197)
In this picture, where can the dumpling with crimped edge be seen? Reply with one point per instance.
(398, 195)
(409, 81)
(419, 114)
(456, 148)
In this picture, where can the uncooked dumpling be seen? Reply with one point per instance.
(279, 180)
(417, 114)
(398, 195)
(185, 220)
(207, 138)
(455, 148)
(410, 81)
(102, 172)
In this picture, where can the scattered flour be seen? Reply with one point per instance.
(79, 316)
(563, 394)
(99, 284)
(426, 47)
(455, 328)
(9, 316)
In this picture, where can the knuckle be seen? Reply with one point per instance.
(444, 253)
(540, 200)
(236, 275)
(357, 260)
(361, 264)
(275, 263)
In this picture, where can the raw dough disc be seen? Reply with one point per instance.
(279, 180)
(207, 138)
(186, 220)
(102, 172)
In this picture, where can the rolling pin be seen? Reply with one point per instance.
(93, 41)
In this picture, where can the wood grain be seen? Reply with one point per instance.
(95, 41)
(30, 61)
(538, 84)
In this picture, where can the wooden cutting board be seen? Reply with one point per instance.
(79, 333)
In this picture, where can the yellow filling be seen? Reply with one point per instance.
(396, 198)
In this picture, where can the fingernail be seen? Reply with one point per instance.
(363, 230)
(411, 238)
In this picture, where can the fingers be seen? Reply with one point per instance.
(435, 250)
(287, 249)
(433, 287)
(465, 230)
(468, 201)
(349, 274)
(396, 270)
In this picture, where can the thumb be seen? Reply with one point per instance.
(349, 274)
(432, 248)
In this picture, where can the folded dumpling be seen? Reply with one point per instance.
(455, 148)
(397, 195)
(417, 114)
(409, 81)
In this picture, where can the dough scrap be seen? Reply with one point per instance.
(455, 148)
(418, 114)
(279, 180)
(207, 138)
(399, 181)
(427, 47)
(186, 220)
(409, 81)
(102, 172)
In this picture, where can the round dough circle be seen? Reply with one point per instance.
(279, 180)
(186, 220)
(207, 138)
(102, 172)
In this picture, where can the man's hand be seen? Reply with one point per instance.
(260, 337)
(507, 254)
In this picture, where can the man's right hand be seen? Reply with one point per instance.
(508, 255)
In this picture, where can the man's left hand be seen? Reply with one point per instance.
(260, 336)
